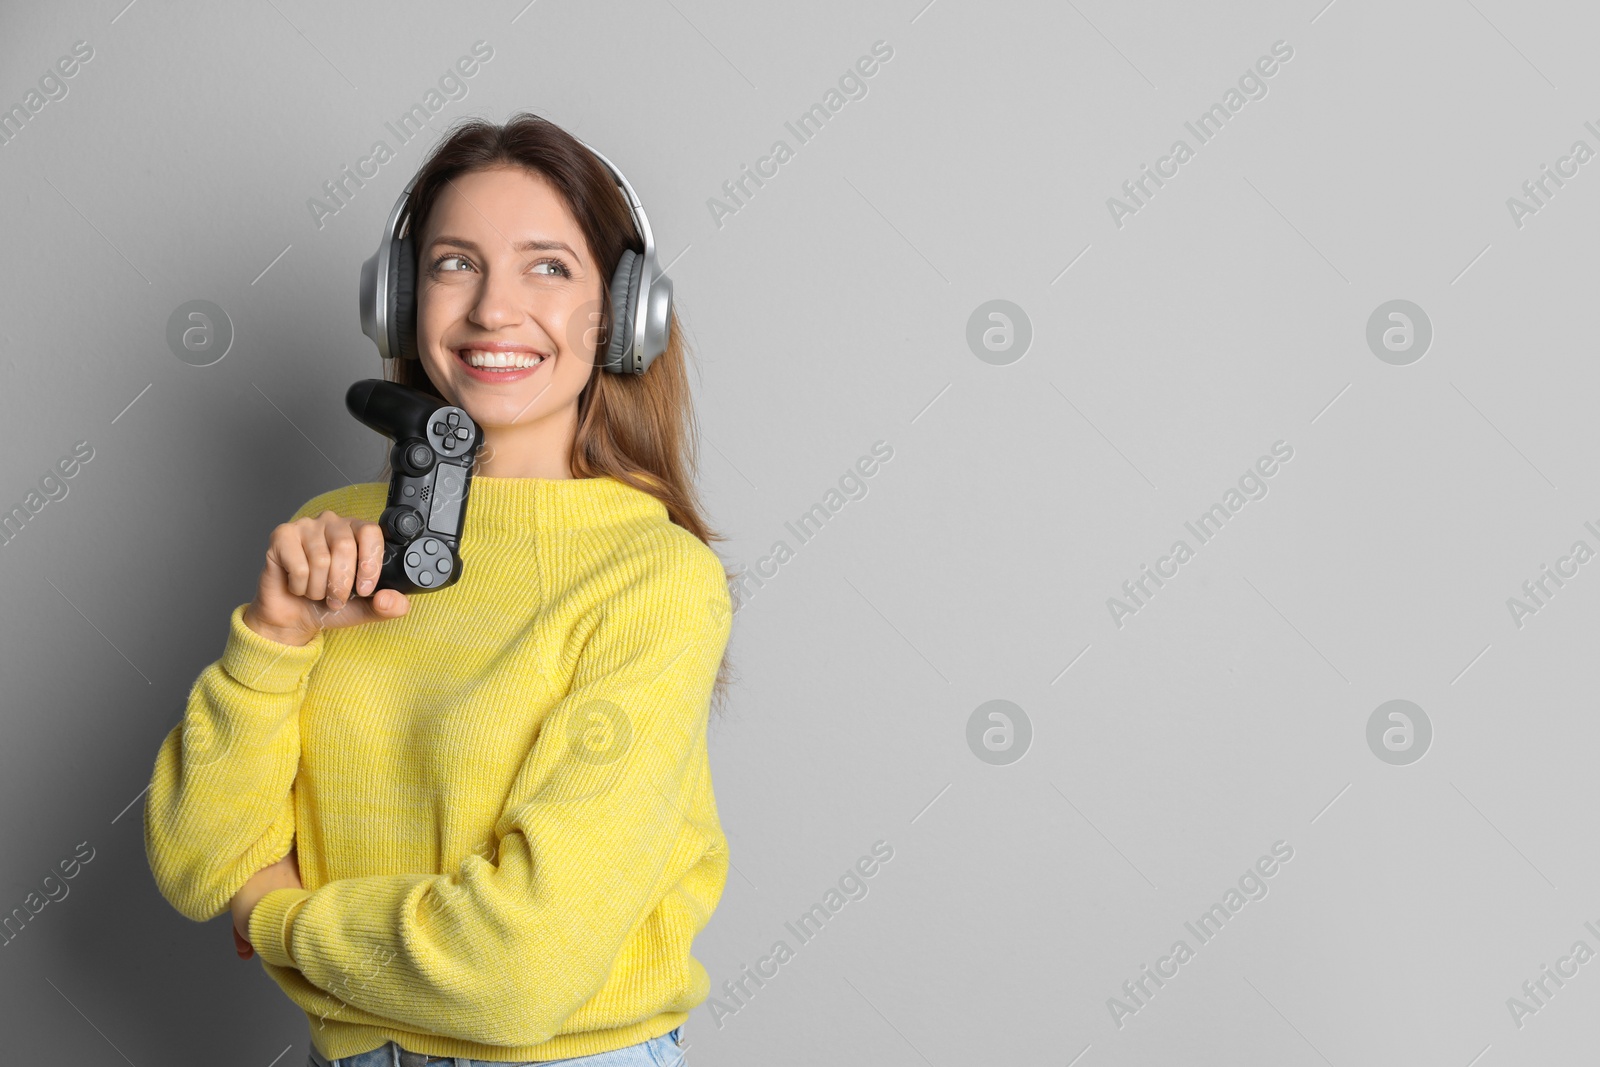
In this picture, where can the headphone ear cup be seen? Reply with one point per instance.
(403, 310)
(624, 308)
(657, 319)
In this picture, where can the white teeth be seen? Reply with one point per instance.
(510, 360)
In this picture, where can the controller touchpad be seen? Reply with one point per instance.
(449, 488)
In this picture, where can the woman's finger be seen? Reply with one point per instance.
(369, 535)
(341, 562)
(288, 548)
(314, 540)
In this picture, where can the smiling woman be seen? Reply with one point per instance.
(504, 308)
(517, 237)
(481, 824)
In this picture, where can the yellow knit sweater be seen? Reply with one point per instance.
(501, 803)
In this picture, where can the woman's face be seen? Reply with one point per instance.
(508, 298)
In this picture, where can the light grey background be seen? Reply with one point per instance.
(829, 313)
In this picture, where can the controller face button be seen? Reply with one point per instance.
(425, 578)
(444, 566)
(430, 546)
(412, 559)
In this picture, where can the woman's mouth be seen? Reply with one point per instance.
(488, 365)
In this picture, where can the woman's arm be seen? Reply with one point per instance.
(505, 951)
(221, 805)
(285, 874)
(221, 801)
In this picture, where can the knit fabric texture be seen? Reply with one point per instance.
(501, 803)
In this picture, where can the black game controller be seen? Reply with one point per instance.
(435, 444)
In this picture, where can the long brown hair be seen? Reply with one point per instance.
(638, 429)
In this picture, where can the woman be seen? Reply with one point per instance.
(496, 795)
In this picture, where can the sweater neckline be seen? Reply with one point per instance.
(517, 505)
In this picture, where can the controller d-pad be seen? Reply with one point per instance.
(450, 432)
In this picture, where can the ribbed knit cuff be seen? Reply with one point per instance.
(271, 923)
(263, 664)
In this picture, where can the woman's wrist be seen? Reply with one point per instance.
(274, 633)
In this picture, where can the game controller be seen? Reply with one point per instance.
(435, 446)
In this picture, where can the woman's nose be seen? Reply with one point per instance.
(499, 302)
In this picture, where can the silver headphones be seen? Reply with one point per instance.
(638, 326)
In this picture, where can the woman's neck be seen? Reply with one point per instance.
(540, 449)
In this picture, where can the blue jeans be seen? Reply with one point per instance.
(663, 1051)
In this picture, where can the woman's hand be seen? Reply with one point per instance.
(283, 874)
(314, 565)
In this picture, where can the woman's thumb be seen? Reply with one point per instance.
(389, 604)
(384, 604)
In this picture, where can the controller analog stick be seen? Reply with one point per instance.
(413, 457)
(402, 522)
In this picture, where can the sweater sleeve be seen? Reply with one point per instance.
(504, 949)
(221, 800)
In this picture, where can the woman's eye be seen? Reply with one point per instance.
(551, 267)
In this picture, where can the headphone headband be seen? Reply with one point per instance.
(635, 209)
(641, 296)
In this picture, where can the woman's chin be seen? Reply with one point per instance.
(494, 410)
